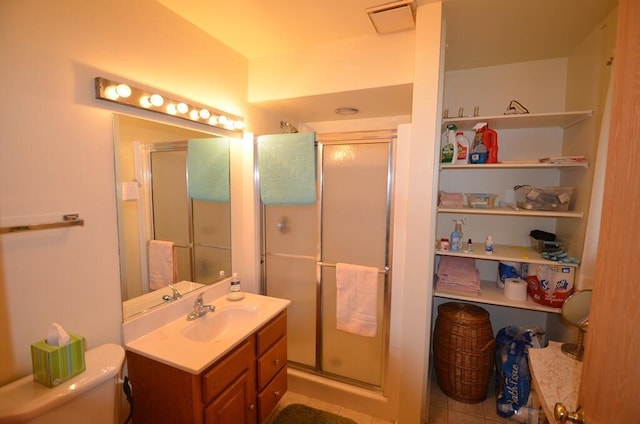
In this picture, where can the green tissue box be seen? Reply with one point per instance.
(54, 364)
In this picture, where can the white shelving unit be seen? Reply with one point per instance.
(562, 120)
(490, 293)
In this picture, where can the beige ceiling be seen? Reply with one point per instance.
(479, 32)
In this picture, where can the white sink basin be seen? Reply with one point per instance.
(215, 325)
(165, 335)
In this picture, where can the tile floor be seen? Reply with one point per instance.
(442, 409)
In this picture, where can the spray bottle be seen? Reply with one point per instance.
(449, 153)
(456, 235)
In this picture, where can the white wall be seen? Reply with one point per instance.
(56, 155)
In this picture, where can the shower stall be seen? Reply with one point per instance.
(349, 223)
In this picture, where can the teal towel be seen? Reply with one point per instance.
(208, 169)
(287, 167)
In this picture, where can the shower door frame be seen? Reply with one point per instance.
(357, 137)
(143, 163)
(143, 166)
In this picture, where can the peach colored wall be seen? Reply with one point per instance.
(352, 64)
(56, 153)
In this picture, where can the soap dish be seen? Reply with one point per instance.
(235, 296)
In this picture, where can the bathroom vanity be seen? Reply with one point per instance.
(226, 366)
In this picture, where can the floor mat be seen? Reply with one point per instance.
(302, 414)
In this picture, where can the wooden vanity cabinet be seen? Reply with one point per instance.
(271, 365)
(243, 387)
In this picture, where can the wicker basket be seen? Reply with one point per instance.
(463, 350)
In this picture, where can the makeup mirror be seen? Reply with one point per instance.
(575, 311)
(153, 204)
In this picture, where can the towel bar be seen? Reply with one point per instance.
(384, 271)
(68, 220)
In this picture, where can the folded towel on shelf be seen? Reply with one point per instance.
(163, 264)
(357, 299)
(458, 274)
(287, 169)
(208, 169)
(450, 200)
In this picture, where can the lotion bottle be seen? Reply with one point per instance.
(488, 246)
(234, 292)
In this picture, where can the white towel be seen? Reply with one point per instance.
(356, 299)
(162, 262)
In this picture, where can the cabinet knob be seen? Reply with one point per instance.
(276, 393)
(276, 362)
(252, 407)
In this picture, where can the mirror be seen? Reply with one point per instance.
(153, 204)
(575, 311)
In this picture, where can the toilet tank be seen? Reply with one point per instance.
(93, 396)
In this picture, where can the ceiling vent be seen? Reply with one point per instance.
(392, 17)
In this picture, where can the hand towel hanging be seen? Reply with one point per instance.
(356, 299)
(287, 169)
(163, 264)
(208, 169)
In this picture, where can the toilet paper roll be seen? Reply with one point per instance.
(515, 289)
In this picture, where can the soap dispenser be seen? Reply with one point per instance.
(234, 292)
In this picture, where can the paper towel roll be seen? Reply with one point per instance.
(515, 289)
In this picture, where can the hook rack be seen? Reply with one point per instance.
(68, 220)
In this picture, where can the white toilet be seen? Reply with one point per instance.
(92, 396)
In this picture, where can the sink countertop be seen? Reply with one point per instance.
(556, 377)
(165, 343)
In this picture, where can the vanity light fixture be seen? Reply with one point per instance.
(125, 94)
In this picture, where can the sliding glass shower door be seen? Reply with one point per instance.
(302, 245)
(200, 230)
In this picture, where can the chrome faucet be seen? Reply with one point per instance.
(175, 295)
(199, 309)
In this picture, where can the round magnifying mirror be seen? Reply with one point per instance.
(575, 311)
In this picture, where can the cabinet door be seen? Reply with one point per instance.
(226, 371)
(236, 405)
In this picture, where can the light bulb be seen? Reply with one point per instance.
(145, 102)
(123, 90)
(110, 92)
(194, 115)
(182, 108)
(238, 125)
(222, 120)
(205, 114)
(171, 109)
(156, 100)
(213, 120)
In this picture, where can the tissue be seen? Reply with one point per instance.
(57, 358)
(57, 336)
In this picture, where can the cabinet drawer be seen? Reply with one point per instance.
(271, 362)
(271, 332)
(227, 370)
(271, 395)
